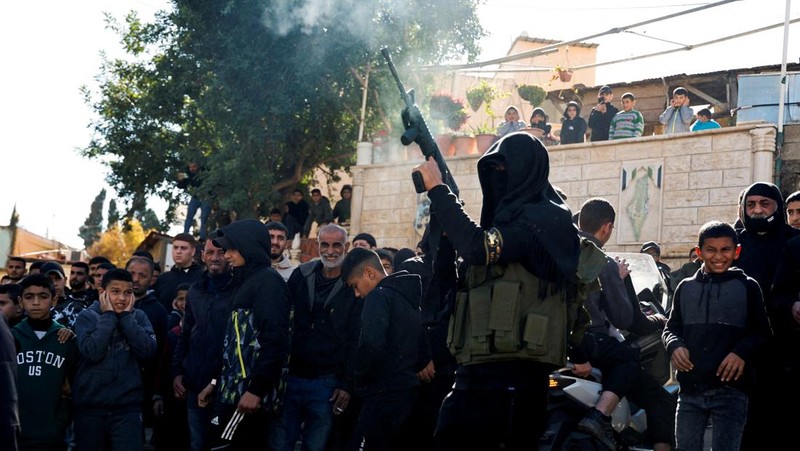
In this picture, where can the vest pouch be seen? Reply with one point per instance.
(535, 335)
(480, 335)
(456, 330)
(504, 317)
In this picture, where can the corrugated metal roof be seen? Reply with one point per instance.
(587, 45)
(790, 67)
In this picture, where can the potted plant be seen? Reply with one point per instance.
(532, 94)
(484, 137)
(481, 93)
(565, 75)
(464, 143)
(450, 114)
(484, 94)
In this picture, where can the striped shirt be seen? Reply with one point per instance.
(626, 124)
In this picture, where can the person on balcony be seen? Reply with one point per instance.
(573, 126)
(539, 120)
(678, 115)
(511, 122)
(601, 115)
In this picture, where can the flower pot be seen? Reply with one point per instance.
(484, 141)
(465, 145)
(537, 132)
(565, 75)
(445, 144)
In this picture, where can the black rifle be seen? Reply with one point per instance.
(417, 131)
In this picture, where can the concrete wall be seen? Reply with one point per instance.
(703, 173)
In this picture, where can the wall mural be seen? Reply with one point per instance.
(639, 212)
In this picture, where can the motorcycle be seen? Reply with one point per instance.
(571, 397)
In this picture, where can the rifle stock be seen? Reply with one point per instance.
(416, 130)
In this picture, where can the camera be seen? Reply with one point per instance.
(601, 100)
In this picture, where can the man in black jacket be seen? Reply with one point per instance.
(141, 270)
(256, 343)
(525, 242)
(185, 269)
(762, 240)
(326, 327)
(197, 357)
(9, 413)
(613, 310)
(601, 115)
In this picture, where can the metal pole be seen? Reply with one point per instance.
(782, 96)
(363, 106)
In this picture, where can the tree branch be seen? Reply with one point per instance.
(297, 175)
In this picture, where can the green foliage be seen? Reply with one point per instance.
(148, 219)
(12, 227)
(113, 213)
(532, 94)
(483, 129)
(262, 93)
(448, 110)
(481, 93)
(93, 226)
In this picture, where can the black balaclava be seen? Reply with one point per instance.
(523, 195)
(770, 223)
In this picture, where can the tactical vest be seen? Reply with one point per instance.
(500, 315)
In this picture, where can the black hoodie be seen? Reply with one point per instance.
(258, 287)
(763, 240)
(535, 223)
(392, 348)
(713, 315)
(573, 130)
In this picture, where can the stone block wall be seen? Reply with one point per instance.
(703, 174)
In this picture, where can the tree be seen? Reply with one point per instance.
(255, 84)
(118, 243)
(91, 228)
(148, 219)
(12, 227)
(113, 213)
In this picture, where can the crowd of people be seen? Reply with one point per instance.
(448, 346)
(606, 121)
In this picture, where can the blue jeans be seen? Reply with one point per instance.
(199, 419)
(306, 408)
(727, 408)
(205, 210)
(109, 430)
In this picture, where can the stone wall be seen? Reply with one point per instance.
(702, 176)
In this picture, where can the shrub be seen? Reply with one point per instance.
(532, 94)
(448, 110)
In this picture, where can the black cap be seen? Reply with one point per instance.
(52, 267)
(605, 89)
(651, 245)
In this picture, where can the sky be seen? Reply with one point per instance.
(49, 48)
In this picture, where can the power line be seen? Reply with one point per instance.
(547, 48)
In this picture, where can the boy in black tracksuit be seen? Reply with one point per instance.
(44, 365)
(392, 349)
(717, 326)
